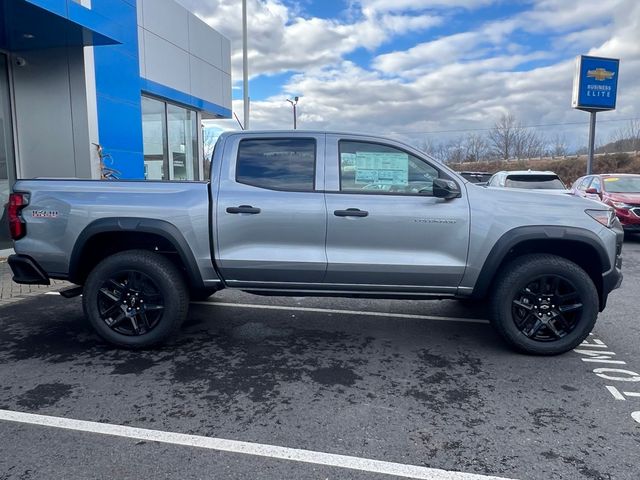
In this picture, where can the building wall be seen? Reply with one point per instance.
(52, 135)
(182, 58)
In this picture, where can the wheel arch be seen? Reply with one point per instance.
(107, 236)
(579, 245)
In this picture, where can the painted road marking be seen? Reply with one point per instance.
(247, 448)
(613, 374)
(343, 312)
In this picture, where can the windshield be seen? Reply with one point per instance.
(541, 182)
(622, 184)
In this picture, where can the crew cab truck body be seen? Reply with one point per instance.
(318, 214)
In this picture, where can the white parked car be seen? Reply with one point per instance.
(529, 179)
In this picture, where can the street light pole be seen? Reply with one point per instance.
(245, 66)
(294, 103)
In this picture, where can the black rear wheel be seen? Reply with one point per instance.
(544, 304)
(135, 299)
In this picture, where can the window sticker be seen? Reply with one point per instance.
(348, 162)
(382, 168)
(611, 179)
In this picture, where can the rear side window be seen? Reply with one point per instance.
(538, 182)
(277, 163)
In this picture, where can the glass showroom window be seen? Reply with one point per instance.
(154, 134)
(183, 143)
(170, 141)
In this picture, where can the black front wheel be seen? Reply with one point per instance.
(135, 299)
(543, 304)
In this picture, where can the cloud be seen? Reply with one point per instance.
(419, 5)
(521, 64)
(281, 40)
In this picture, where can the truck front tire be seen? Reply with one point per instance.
(135, 299)
(543, 304)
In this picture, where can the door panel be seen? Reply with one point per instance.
(415, 241)
(270, 235)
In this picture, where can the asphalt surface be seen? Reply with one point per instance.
(442, 394)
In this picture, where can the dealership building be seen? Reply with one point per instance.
(134, 76)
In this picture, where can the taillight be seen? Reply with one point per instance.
(17, 226)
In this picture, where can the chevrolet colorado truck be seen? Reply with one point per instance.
(318, 214)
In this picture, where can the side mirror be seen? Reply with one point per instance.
(592, 191)
(446, 189)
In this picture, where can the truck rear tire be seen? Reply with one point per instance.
(543, 304)
(135, 299)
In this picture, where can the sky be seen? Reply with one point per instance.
(427, 70)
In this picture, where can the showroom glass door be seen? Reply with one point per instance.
(6, 151)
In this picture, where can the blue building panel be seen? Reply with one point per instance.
(117, 70)
(173, 95)
(52, 23)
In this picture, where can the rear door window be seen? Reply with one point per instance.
(277, 163)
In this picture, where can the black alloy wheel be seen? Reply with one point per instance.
(130, 303)
(543, 304)
(135, 299)
(547, 309)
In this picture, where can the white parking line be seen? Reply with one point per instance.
(343, 312)
(247, 448)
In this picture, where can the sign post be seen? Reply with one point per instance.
(595, 88)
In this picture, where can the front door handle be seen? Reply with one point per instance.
(351, 212)
(243, 209)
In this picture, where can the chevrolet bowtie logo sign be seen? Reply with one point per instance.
(600, 74)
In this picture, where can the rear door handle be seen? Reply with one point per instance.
(243, 209)
(351, 212)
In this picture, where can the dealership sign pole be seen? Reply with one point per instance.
(595, 87)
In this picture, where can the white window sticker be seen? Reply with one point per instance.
(382, 168)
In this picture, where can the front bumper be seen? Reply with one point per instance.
(613, 278)
(27, 271)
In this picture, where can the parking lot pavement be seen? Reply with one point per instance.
(424, 384)
(11, 292)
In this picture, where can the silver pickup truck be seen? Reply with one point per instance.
(318, 214)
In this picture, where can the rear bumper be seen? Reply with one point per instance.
(27, 271)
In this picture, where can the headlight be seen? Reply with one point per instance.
(603, 217)
(621, 205)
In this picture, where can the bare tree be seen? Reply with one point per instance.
(527, 144)
(456, 151)
(503, 137)
(209, 138)
(558, 146)
(436, 150)
(476, 148)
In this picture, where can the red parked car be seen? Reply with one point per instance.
(621, 191)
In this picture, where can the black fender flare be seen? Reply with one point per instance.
(158, 227)
(513, 237)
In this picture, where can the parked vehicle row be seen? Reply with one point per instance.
(619, 191)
